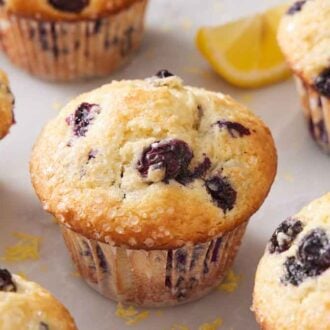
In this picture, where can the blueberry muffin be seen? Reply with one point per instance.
(67, 40)
(26, 305)
(153, 183)
(304, 38)
(6, 105)
(292, 284)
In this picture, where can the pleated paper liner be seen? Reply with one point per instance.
(67, 51)
(154, 278)
(317, 112)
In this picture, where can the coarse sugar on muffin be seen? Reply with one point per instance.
(305, 41)
(292, 283)
(70, 40)
(26, 305)
(158, 175)
(6, 106)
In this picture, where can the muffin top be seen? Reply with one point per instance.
(65, 9)
(6, 105)
(305, 40)
(293, 278)
(26, 305)
(153, 163)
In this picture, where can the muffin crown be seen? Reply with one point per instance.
(305, 40)
(70, 10)
(24, 304)
(153, 164)
(293, 278)
(6, 105)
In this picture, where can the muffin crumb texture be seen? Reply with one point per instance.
(293, 277)
(7, 103)
(153, 163)
(304, 39)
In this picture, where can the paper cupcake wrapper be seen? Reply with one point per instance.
(154, 278)
(72, 50)
(317, 112)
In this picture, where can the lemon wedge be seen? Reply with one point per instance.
(246, 52)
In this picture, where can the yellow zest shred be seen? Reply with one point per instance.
(159, 313)
(27, 248)
(75, 274)
(215, 325)
(179, 327)
(288, 177)
(246, 98)
(230, 282)
(130, 314)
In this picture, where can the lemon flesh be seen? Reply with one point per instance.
(246, 52)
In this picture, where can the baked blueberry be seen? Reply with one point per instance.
(294, 272)
(297, 6)
(314, 250)
(74, 6)
(284, 235)
(164, 74)
(312, 258)
(234, 129)
(6, 281)
(43, 326)
(223, 194)
(172, 156)
(82, 118)
(322, 83)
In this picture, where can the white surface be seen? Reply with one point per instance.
(303, 172)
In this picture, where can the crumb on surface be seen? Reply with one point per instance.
(215, 325)
(288, 177)
(75, 273)
(130, 314)
(230, 282)
(159, 313)
(186, 23)
(179, 327)
(57, 105)
(27, 248)
(43, 268)
(246, 98)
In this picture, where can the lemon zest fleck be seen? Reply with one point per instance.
(215, 325)
(130, 314)
(27, 248)
(230, 282)
(179, 327)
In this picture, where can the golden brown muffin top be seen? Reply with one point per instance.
(293, 278)
(153, 163)
(70, 10)
(26, 305)
(6, 105)
(304, 38)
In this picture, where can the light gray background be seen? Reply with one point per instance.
(303, 172)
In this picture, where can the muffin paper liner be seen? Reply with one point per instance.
(58, 50)
(154, 278)
(317, 112)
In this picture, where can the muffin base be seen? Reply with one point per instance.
(154, 278)
(317, 112)
(64, 51)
